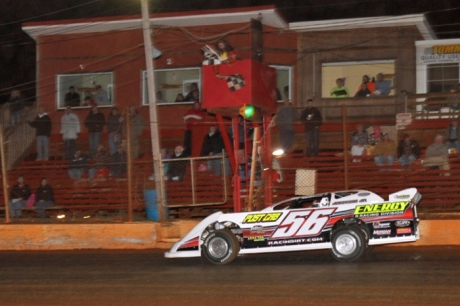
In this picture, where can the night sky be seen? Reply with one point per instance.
(17, 50)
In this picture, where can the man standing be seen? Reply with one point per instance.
(213, 145)
(94, 122)
(42, 126)
(70, 127)
(285, 121)
(312, 120)
(136, 126)
(72, 98)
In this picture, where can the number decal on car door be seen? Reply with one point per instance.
(303, 223)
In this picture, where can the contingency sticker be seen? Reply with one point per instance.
(382, 209)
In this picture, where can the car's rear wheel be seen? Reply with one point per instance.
(348, 243)
(221, 247)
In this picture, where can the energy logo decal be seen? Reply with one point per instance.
(267, 217)
(383, 209)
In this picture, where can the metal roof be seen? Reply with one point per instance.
(268, 14)
(417, 20)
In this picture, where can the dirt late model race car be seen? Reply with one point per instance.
(346, 222)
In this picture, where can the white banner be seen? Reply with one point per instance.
(438, 53)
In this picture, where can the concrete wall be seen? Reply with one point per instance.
(153, 235)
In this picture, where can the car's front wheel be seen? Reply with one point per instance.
(221, 247)
(348, 243)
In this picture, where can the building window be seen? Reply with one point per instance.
(172, 83)
(85, 89)
(442, 77)
(352, 74)
(283, 82)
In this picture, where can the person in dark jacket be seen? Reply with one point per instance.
(118, 163)
(44, 197)
(78, 165)
(312, 119)
(16, 106)
(42, 125)
(94, 122)
(408, 151)
(72, 98)
(18, 197)
(114, 130)
(176, 171)
(213, 145)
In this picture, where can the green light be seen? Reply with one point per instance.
(249, 111)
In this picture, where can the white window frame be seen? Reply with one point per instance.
(289, 69)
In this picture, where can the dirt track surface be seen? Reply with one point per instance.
(386, 276)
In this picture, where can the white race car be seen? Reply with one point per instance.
(347, 222)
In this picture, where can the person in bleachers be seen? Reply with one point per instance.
(366, 88)
(189, 96)
(453, 133)
(437, 155)
(176, 171)
(94, 122)
(18, 197)
(382, 87)
(284, 119)
(408, 150)
(118, 162)
(16, 106)
(44, 197)
(385, 151)
(72, 98)
(213, 145)
(180, 98)
(70, 128)
(191, 117)
(340, 91)
(136, 127)
(78, 165)
(101, 96)
(100, 164)
(359, 141)
(42, 125)
(312, 119)
(114, 130)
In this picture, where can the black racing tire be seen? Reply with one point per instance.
(221, 247)
(348, 243)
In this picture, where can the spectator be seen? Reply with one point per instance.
(16, 106)
(114, 130)
(159, 97)
(78, 165)
(340, 91)
(101, 96)
(18, 197)
(408, 151)
(176, 171)
(180, 98)
(72, 98)
(437, 155)
(191, 117)
(213, 145)
(136, 126)
(359, 141)
(89, 99)
(70, 128)
(189, 96)
(94, 122)
(44, 197)
(42, 126)
(312, 120)
(118, 163)
(385, 151)
(100, 163)
(226, 53)
(453, 133)
(382, 87)
(285, 118)
(366, 88)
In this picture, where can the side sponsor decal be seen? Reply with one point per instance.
(377, 224)
(382, 232)
(294, 241)
(402, 223)
(263, 217)
(382, 209)
(405, 230)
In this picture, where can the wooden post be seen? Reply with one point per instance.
(4, 177)
(345, 146)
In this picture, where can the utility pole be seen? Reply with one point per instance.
(158, 169)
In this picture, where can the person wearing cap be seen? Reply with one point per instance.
(114, 130)
(70, 128)
(72, 98)
(359, 141)
(408, 150)
(101, 96)
(437, 155)
(385, 151)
